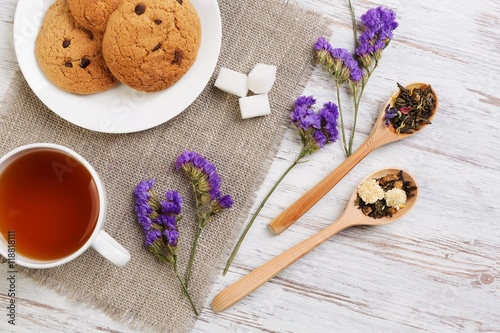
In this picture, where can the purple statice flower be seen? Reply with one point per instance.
(319, 138)
(213, 178)
(225, 201)
(315, 129)
(206, 183)
(152, 236)
(323, 51)
(169, 229)
(303, 114)
(322, 44)
(143, 189)
(307, 101)
(174, 196)
(158, 219)
(143, 203)
(214, 183)
(198, 161)
(380, 23)
(379, 18)
(167, 221)
(355, 72)
(204, 177)
(338, 61)
(209, 168)
(184, 158)
(329, 115)
(202, 168)
(143, 212)
(173, 204)
(389, 114)
(171, 236)
(161, 235)
(170, 208)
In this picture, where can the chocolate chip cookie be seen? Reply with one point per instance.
(150, 45)
(70, 55)
(92, 14)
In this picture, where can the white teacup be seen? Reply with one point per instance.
(99, 239)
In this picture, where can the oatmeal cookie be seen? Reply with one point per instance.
(150, 45)
(92, 14)
(70, 55)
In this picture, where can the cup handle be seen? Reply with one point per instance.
(110, 249)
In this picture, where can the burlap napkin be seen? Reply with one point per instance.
(145, 293)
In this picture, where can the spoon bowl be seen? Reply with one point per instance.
(367, 220)
(380, 135)
(352, 216)
(392, 100)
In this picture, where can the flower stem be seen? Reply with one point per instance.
(365, 82)
(354, 26)
(193, 253)
(357, 100)
(184, 287)
(356, 108)
(344, 141)
(249, 225)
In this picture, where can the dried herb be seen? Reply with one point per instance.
(412, 108)
(393, 186)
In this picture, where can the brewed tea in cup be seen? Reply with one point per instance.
(53, 206)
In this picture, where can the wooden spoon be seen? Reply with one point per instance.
(379, 136)
(352, 216)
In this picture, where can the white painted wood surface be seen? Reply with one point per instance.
(436, 270)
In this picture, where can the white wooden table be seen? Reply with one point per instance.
(436, 270)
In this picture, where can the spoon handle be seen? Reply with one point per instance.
(310, 198)
(246, 285)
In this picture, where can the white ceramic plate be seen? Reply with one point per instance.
(120, 109)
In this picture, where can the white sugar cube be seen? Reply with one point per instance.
(261, 79)
(254, 106)
(232, 82)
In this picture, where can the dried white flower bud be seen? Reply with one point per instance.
(370, 191)
(395, 198)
